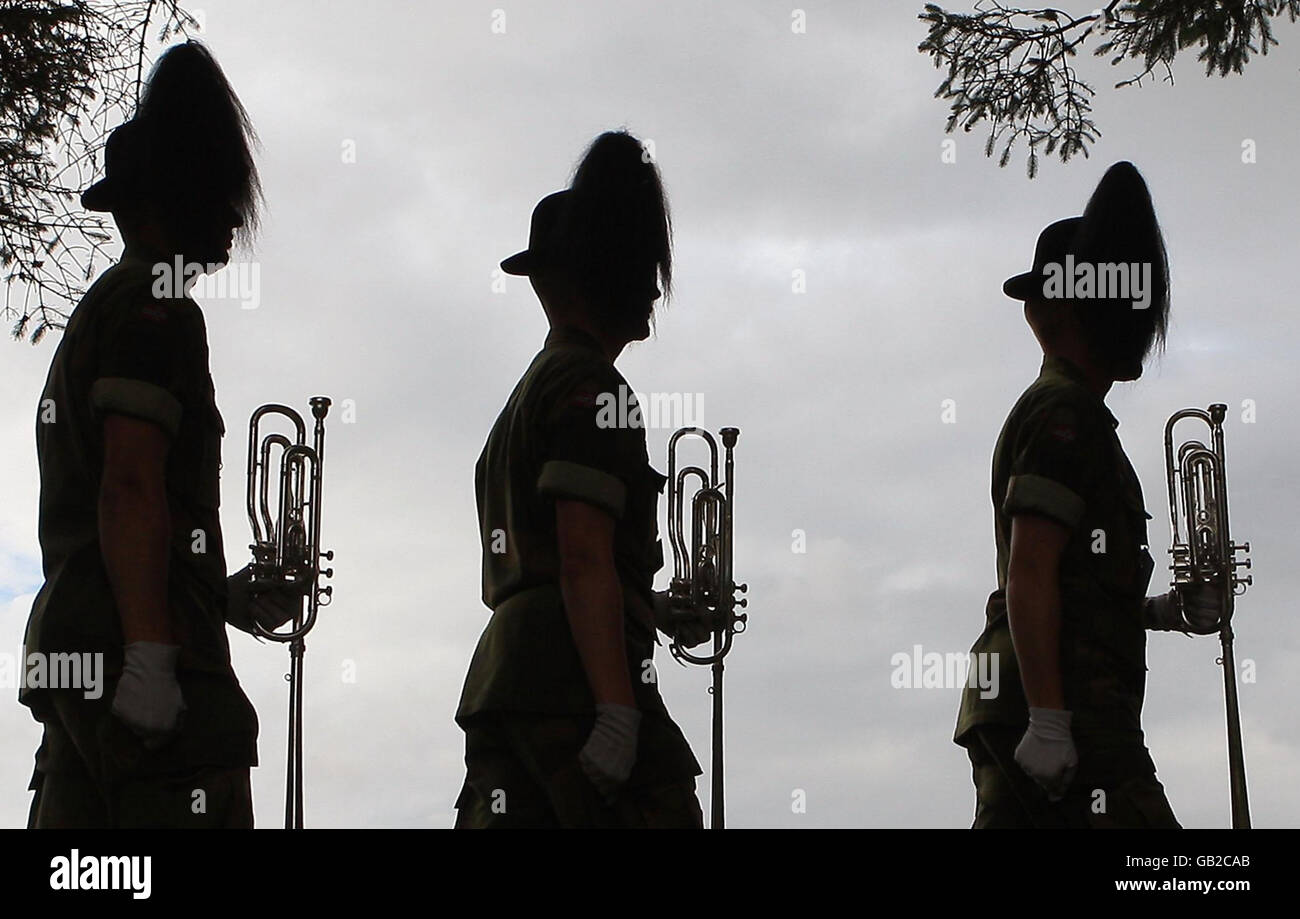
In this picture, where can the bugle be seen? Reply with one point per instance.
(703, 588)
(1202, 552)
(284, 509)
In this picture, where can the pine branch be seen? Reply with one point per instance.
(1012, 67)
(69, 73)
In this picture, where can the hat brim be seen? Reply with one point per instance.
(99, 197)
(521, 263)
(1024, 286)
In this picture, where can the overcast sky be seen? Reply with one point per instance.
(817, 153)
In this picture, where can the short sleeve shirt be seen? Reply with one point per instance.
(1059, 457)
(128, 351)
(569, 431)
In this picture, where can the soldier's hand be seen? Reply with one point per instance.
(1202, 607)
(273, 606)
(1047, 753)
(148, 698)
(269, 606)
(237, 597)
(685, 630)
(610, 752)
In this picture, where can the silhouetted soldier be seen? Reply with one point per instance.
(564, 724)
(1061, 744)
(129, 446)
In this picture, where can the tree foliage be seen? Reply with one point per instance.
(70, 71)
(1014, 67)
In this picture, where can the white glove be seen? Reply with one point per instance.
(148, 697)
(1202, 607)
(687, 631)
(1047, 753)
(1194, 608)
(238, 594)
(269, 606)
(610, 752)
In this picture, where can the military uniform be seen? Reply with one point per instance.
(128, 352)
(526, 706)
(1058, 456)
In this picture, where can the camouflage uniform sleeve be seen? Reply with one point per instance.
(586, 455)
(141, 362)
(1056, 457)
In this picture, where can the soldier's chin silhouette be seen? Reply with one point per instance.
(1128, 372)
(641, 329)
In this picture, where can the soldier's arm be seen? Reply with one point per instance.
(135, 526)
(1057, 454)
(1034, 606)
(593, 598)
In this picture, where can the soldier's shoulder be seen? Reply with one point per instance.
(560, 372)
(135, 289)
(129, 276)
(1061, 408)
(1054, 396)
